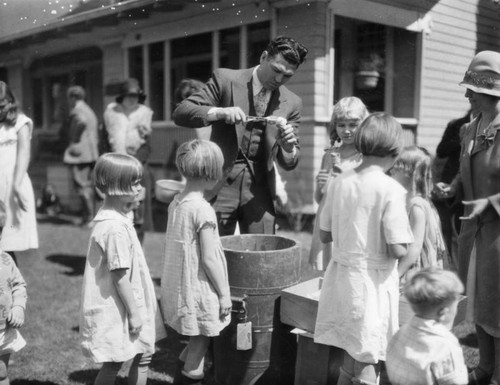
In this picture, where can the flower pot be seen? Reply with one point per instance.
(366, 80)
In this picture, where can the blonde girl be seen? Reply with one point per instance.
(117, 318)
(413, 171)
(341, 155)
(195, 294)
(365, 218)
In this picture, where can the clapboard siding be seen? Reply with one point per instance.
(458, 27)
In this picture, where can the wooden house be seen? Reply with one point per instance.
(419, 49)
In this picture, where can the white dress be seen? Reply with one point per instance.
(104, 326)
(358, 306)
(189, 301)
(20, 231)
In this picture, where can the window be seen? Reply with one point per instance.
(258, 38)
(376, 63)
(135, 64)
(156, 97)
(230, 48)
(191, 57)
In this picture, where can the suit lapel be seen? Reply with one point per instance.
(242, 94)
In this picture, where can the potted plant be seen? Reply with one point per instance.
(368, 71)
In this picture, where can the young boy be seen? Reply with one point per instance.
(424, 351)
(12, 305)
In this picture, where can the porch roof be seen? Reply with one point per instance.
(93, 13)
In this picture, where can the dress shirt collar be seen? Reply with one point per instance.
(257, 85)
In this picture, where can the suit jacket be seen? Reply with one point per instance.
(82, 135)
(228, 88)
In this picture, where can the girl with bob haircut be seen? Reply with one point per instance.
(413, 171)
(119, 307)
(200, 159)
(379, 135)
(116, 173)
(365, 218)
(195, 294)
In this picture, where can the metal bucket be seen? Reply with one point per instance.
(259, 267)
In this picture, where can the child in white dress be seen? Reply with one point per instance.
(342, 155)
(118, 308)
(365, 218)
(195, 295)
(413, 171)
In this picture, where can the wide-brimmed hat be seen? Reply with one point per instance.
(483, 74)
(130, 87)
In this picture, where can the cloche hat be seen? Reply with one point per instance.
(483, 74)
(130, 87)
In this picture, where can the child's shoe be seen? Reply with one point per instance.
(191, 381)
(178, 373)
(479, 377)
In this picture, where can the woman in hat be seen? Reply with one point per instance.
(478, 185)
(128, 124)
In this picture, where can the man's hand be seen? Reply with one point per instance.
(231, 115)
(286, 137)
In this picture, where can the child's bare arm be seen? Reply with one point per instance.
(397, 250)
(121, 281)
(417, 224)
(214, 269)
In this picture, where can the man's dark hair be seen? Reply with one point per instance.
(291, 50)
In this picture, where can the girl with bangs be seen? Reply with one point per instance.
(118, 307)
(340, 156)
(413, 171)
(195, 295)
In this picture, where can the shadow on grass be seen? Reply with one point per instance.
(75, 262)
(88, 376)
(31, 382)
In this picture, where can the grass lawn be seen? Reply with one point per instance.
(54, 276)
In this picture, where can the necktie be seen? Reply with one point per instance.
(260, 102)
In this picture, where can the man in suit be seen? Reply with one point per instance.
(82, 151)
(247, 193)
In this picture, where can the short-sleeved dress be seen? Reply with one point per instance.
(20, 231)
(189, 301)
(358, 307)
(104, 326)
(316, 250)
(434, 251)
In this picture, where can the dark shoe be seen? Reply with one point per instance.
(191, 381)
(479, 377)
(178, 373)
